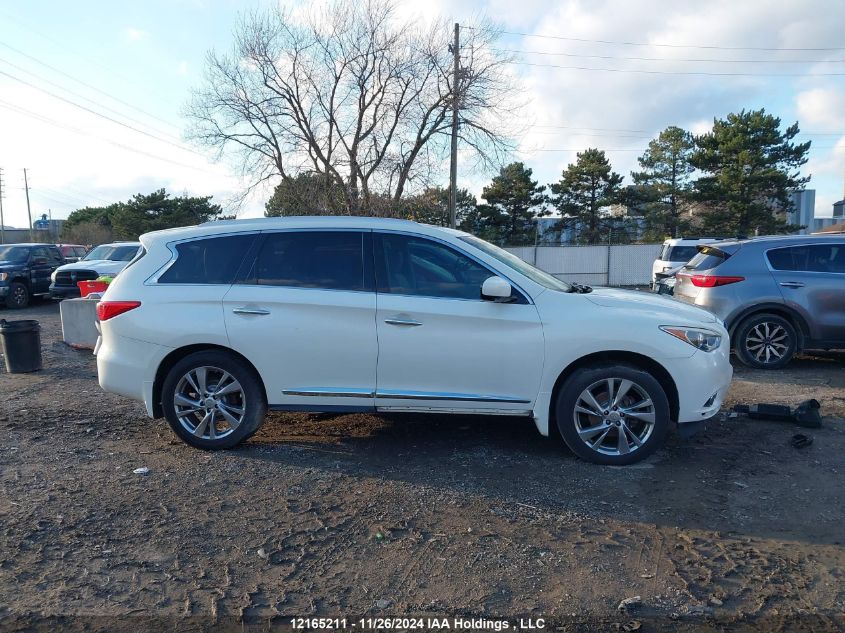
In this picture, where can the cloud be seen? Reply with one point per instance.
(133, 34)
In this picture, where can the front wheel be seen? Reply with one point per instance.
(18, 296)
(612, 414)
(213, 400)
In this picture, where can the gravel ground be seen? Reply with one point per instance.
(374, 516)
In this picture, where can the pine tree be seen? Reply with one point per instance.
(516, 202)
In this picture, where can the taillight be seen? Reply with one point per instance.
(712, 281)
(108, 309)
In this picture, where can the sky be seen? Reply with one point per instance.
(92, 93)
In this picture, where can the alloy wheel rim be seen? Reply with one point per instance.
(19, 295)
(767, 342)
(210, 403)
(614, 416)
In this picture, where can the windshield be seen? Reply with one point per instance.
(113, 253)
(522, 267)
(14, 254)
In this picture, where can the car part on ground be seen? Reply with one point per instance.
(776, 295)
(807, 413)
(329, 314)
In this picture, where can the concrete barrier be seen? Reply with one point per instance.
(79, 322)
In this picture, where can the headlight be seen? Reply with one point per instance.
(53, 276)
(4, 276)
(704, 340)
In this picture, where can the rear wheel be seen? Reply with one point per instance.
(612, 414)
(765, 341)
(213, 400)
(18, 296)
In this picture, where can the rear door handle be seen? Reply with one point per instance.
(406, 322)
(256, 311)
(792, 284)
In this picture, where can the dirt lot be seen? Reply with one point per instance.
(362, 515)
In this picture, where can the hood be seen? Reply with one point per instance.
(672, 311)
(101, 266)
(7, 264)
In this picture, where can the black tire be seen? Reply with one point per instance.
(750, 341)
(18, 296)
(605, 430)
(250, 399)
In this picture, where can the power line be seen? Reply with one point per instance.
(88, 99)
(701, 46)
(87, 85)
(676, 59)
(99, 114)
(677, 72)
(49, 121)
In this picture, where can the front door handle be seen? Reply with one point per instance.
(256, 311)
(792, 284)
(406, 322)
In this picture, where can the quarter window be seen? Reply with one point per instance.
(416, 266)
(331, 260)
(213, 260)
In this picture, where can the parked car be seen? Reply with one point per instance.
(72, 252)
(675, 253)
(25, 271)
(212, 325)
(776, 295)
(105, 259)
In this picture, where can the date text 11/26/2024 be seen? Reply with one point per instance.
(422, 624)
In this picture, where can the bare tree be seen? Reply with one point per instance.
(351, 93)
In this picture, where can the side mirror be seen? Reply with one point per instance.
(496, 289)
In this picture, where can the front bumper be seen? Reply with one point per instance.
(64, 292)
(4, 290)
(702, 381)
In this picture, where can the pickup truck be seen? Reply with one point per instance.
(25, 271)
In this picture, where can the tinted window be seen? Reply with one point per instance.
(41, 251)
(213, 260)
(682, 253)
(331, 260)
(706, 259)
(113, 253)
(15, 254)
(417, 266)
(819, 258)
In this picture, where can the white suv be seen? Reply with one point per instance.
(675, 253)
(212, 325)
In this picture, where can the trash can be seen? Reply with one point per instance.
(21, 344)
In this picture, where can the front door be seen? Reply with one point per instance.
(441, 347)
(304, 314)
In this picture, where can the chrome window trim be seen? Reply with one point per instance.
(481, 263)
(826, 242)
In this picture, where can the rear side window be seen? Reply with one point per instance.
(682, 253)
(817, 258)
(214, 260)
(330, 260)
(706, 259)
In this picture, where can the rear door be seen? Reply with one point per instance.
(441, 347)
(304, 315)
(811, 278)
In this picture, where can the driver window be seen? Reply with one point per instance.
(416, 266)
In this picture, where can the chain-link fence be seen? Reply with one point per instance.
(597, 265)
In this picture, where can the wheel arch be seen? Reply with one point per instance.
(625, 357)
(178, 354)
(802, 328)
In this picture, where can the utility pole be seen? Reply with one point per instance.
(2, 221)
(453, 171)
(28, 211)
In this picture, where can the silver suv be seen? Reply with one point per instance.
(776, 295)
